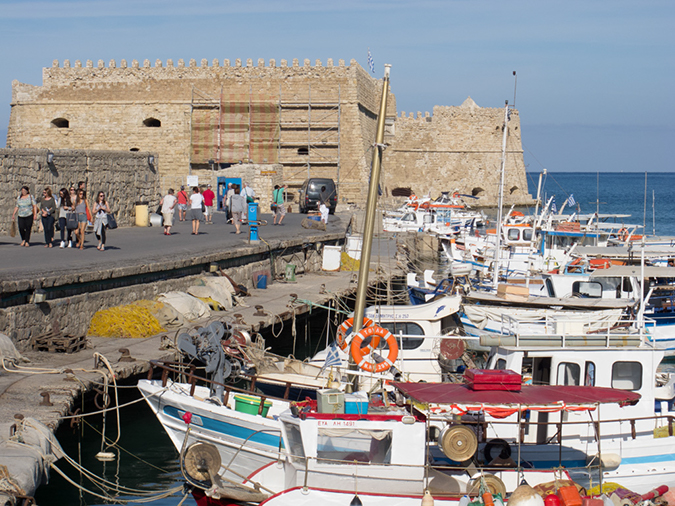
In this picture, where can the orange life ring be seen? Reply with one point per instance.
(623, 234)
(346, 326)
(377, 333)
(425, 205)
(415, 205)
(517, 214)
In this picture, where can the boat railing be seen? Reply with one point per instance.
(190, 375)
(588, 330)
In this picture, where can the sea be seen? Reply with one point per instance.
(146, 462)
(647, 197)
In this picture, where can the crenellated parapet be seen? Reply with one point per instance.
(64, 73)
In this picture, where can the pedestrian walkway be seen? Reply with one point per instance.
(148, 245)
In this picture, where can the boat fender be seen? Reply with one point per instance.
(525, 495)
(502, 447)
(608, 461)
(377, 333)
(345, 329)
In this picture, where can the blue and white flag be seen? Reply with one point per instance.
(570, 201)
(371, 63)
(333, 357)
(554, 208)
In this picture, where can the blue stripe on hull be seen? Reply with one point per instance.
(231, 430)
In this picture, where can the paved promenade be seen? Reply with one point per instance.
(148, 245)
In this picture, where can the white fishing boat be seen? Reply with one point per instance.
(393, 455)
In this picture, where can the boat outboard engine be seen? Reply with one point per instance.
(206, 348)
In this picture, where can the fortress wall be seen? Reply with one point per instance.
(125, 177)
(456, 148)
(106, 106)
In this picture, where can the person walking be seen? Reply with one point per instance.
(81, 208)
(196, 209)
(47, 212)
(228, 201)
(27, 211)
(64, 207)
(323, 204)
(209, 196)
(101, 210)
(248, 193)
(182, 203)
(238, 208)
(168, 202)
(278, 203)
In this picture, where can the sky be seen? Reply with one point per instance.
(594, 77)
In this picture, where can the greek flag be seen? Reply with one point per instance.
(554, 208)
(570, 201)
(333, 358)
(371, 63)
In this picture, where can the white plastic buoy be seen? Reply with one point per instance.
(105, 456)
(428, 499)
(525, 495)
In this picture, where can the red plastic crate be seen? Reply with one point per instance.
(493, 379)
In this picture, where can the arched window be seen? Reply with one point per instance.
(303, 151)
(152, 122)
(61, 123)
(478, 192)
(134, 149)
(513, 190)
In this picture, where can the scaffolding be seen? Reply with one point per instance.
(302, 134)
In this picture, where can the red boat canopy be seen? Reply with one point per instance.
(460, 398)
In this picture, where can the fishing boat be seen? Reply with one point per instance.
(426, 445)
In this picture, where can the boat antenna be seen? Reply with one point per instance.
(644, 211)
(495, 273)
(653, 213)
(515, 85)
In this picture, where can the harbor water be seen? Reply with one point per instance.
(618, 193)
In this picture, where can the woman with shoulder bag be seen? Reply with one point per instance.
(65, 207)
(47, 211)
(101, 210)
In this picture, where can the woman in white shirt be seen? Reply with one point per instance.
(196, 209)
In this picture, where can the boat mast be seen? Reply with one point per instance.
(495, 274)
(371, 208)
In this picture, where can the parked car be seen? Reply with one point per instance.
(315, 189)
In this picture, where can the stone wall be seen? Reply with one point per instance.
(458, 148)
(125, 177)
(74, 314)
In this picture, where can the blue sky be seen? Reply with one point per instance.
(595, 77)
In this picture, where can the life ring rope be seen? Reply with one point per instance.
(343, 330)
(376, 333)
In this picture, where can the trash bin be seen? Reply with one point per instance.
(141, 214)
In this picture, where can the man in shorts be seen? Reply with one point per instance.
(182, 203)
(278, 200)
(209, 196)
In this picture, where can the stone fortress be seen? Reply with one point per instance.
(268, 122)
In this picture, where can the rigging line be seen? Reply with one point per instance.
(127, 451)
(140, 399)
(535, 158)
(165, 494)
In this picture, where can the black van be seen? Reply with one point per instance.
(311, 194)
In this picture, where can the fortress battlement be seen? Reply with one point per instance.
(60, 75)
